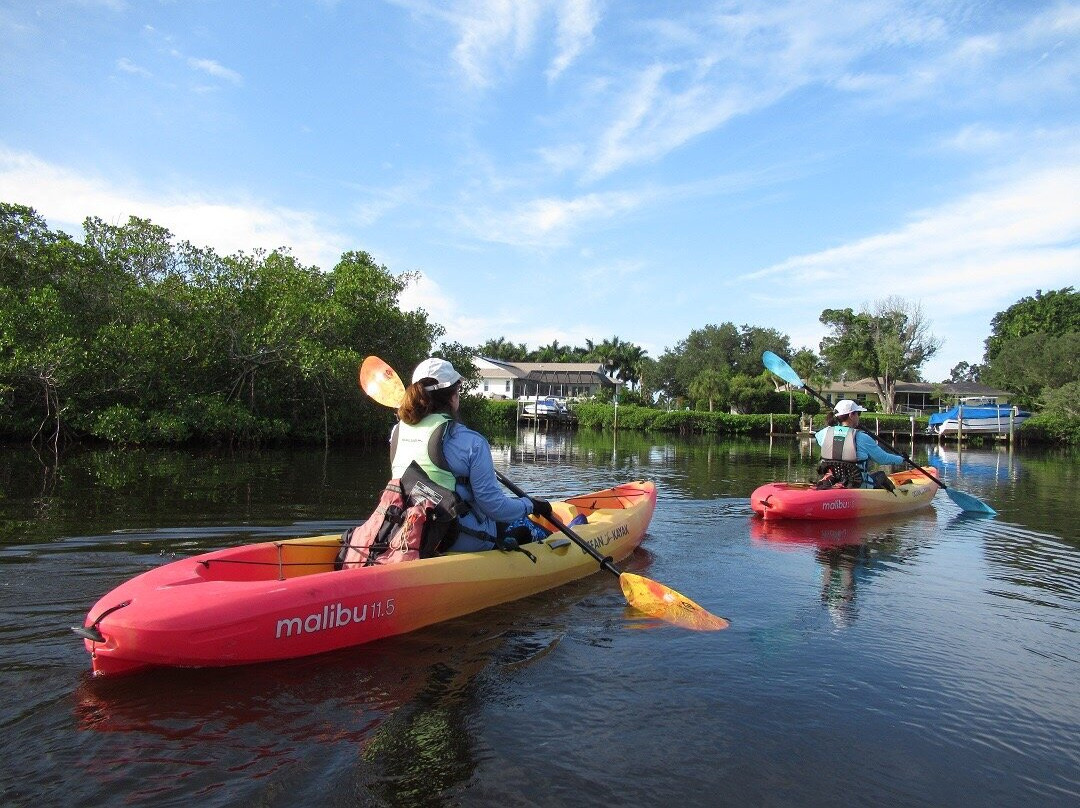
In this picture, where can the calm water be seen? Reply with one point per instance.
(923, 661)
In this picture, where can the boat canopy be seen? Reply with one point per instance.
(991, 413)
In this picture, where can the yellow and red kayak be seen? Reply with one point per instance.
(914, 490)
(284, 599)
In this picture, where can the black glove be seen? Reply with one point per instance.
(506, 543)
(541, 507)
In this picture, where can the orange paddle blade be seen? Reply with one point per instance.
(378, 380)
(657, 600)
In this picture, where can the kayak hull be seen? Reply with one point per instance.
(914, 491)
(283, 599)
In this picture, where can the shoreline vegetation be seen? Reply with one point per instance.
(129, 338)
(499, 416)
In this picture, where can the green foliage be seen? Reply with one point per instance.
(709, 385)
(648, 419)
(1059, 421)
(1030, 364)
(132, 338)
(488, 415)
(504, 350)
(1054, 313)
(803, 402)
(1064, 401)
(888, 344)
(1050, 428)
(725, 349)
(963, 372)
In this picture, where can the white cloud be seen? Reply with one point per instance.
(548, 221)
(713, 65)
(964, 261)
(212, 68)
(494, 35)
(377, 202)
(65, 197)
(575, 23)
(465, 326)
(125, 65)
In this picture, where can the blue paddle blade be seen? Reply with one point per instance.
(969, 503)
(781, 368)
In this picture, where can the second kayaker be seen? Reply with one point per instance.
(846, 451)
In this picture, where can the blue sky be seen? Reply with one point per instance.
(570, 170)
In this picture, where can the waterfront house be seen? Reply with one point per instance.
(503, 380)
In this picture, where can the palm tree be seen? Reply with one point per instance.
(709, 384)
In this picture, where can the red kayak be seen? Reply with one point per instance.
(914, 490)
(284, 599)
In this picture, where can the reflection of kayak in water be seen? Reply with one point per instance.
(282, 600)
(819, 533)
(825, 533)
(913, 490)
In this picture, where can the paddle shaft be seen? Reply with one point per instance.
(605, 561)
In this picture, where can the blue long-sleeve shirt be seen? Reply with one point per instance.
(866, 448)
(468, 454)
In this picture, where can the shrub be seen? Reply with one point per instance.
(1050, 428)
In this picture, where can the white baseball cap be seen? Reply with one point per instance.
(846, 406)
(438, 369)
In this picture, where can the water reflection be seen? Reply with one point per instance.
(402, 708)
(849, 552)
(957, 654)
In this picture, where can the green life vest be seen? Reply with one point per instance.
(422, 442)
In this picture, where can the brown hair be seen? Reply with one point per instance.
(832, 419)
(419, 402)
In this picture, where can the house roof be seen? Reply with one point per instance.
(947, 389)
(547, 372)
(555, 375)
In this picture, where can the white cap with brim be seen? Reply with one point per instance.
(438, 369)
(846, 406)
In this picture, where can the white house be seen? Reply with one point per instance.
(500, 379)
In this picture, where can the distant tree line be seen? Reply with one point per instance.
(129, 336)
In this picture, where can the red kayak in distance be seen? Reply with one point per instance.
(914, 490)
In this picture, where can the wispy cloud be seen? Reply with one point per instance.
(492, 36)
(125, 65)
(711, 66)
(215, 69)
(548, 221)
(575, 22)
(374, 203)
(974, 253)
(224, 222)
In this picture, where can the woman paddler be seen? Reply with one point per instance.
(846, 451)
(429, 431)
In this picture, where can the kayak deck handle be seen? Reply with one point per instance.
(91, 632)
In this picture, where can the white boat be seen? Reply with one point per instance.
(980, 416)
(547, 407)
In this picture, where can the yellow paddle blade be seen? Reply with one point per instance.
(378, 380)
(657, 600)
